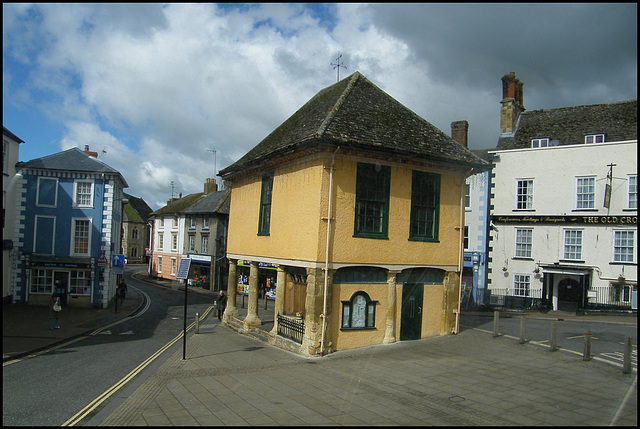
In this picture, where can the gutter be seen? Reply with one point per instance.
(326, 263)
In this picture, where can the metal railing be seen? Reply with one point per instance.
(291, 328)
(598, 297)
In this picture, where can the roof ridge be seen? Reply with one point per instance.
(334, 110)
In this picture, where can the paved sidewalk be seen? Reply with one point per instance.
(465, 379)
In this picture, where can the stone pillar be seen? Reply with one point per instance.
(252, 320)
(390, 325)
(312, 310)
(231, 310)
(281, 284)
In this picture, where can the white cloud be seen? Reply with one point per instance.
(158, 86)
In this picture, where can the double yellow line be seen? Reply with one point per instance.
(113, 389)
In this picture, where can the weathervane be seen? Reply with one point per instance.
(337, 65)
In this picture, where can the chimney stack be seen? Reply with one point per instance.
(210, 186)
(512, 105)
(88, 152)
(460, 132)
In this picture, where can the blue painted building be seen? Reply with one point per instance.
(69, 220)
(474, 272)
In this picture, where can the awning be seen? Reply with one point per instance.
(566, 269)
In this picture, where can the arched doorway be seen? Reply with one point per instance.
(569, 295)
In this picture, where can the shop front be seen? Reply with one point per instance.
(267, 274)
(200, 271)
(72, 280)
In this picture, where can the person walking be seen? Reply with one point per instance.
(122, 291)
(54, 311)
(221, 304)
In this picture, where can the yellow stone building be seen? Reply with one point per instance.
(359, 203)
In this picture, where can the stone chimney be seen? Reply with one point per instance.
(512, 105)
(460, 132)
(210, 186)
(88, 152)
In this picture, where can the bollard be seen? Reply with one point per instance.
(522, 329)
(554, 336)
(626, 363)
(586, 355)
(242, 301)
(496, 318)
(197, 323)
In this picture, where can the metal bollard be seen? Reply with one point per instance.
(554, 336)
(496, 319)
(586, 355)
(522, 329)
(626, 363)
(197, 323)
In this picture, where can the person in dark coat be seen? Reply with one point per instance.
(221, 304)
(122, 291)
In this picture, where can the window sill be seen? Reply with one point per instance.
(521, 258)
(425, 239)
(571, 261)
(622, 263)
(523, 210)
(373, 236)
(368, 328)
(594, 210)
(629, 209)
(263, 234)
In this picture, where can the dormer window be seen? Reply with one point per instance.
(540, 142)
(594, 138)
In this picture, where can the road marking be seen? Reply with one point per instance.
(75, 340)
(113, 389)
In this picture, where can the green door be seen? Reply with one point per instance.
(411, 312)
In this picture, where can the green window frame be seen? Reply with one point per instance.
(371, 218)
(264, 222)
(425, 206)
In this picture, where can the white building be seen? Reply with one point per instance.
(563, 232)
(10, 149)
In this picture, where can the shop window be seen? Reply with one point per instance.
(41, 281)
(265, 204)
(80, 283)
(372, 201)
(359, 312)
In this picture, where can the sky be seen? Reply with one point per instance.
(170, 94)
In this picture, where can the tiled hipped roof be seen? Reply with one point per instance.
(569, 125)
(356, 114)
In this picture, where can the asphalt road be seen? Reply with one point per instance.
(51, 388)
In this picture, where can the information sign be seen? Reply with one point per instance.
(183, 269)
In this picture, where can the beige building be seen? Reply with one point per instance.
(135, 229)
(357, 205)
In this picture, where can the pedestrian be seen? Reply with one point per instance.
(54, 311)
(122, 291)
(221, 303)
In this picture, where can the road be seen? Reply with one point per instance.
(51, 388)
(607, 339)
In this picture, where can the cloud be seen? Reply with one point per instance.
(160, 86)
